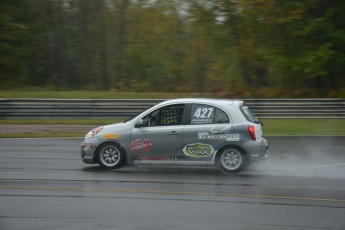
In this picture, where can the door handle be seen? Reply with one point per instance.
(174, 133)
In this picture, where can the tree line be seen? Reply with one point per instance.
(242, 48)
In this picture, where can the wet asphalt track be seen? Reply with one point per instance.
(44, 185)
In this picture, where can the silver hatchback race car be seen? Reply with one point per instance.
(224, 133)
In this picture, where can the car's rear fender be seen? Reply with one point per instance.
(219, 151)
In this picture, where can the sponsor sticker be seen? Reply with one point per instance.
(201, 121)
(108, 136)
(233, 137)
(161, 158)
(198, 150)
(155, 158)
(138, 144)
(227, 137)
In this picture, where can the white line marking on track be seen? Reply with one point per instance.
(330, 165)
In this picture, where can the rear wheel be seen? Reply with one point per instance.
(110, 156)
(232, 160)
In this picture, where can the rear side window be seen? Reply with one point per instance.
(206, 114)
(221, 117)
(248, 114)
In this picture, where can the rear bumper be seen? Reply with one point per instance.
(257, 150)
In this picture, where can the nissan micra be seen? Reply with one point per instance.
(222, 133)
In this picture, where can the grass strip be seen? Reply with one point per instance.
(92, 121)
(41, 135)
(311, 127)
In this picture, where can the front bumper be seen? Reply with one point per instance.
(87, 153)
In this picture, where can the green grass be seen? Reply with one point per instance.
(91, 121)
(289, 127)
(295, 127)
(38, 135)
(95, 94)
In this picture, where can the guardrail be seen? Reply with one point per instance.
(107, 108)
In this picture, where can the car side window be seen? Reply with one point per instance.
(206, 114)
(221, 117)
(202, 114)
(168, 115)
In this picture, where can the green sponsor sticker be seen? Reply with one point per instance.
(198, 150)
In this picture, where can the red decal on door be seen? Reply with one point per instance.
(156, 158)
(145, 145)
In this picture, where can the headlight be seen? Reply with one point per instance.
(93, 132)
(90, 134)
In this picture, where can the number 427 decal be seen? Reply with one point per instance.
(203, 112)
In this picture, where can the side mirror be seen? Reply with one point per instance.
(262, 124)
(139, 123)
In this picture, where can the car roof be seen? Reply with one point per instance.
(204, 100)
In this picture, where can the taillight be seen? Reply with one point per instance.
(251, 131)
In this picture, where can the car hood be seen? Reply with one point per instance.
(115, 128)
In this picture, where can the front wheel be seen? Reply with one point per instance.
(110, 156)
(232, 160)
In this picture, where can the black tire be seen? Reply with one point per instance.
(110, 156)
(231, 160)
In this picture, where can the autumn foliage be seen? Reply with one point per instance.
(240, 48)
